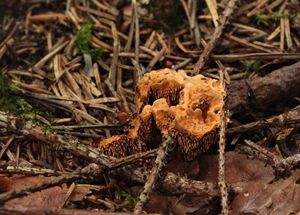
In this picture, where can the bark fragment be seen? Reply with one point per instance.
(265, 92)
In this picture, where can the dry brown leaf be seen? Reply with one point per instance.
(49, 198)
(281, 197)
(83, 190)
(238, 168)
(179, 166)
(5, 184)
(185, 206)
(196, 205)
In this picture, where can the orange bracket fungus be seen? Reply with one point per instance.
(173, 104)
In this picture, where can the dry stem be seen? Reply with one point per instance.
(216, 36)
(90, 170)
(222, 142)
(159, 164)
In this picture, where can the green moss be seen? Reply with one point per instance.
(128, 197)
(83, 40)
(48, 130)
(7, 102)
(250, 65)
(23, 105)
(274, 17)
(16, 104)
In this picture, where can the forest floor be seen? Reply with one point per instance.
(71, 82)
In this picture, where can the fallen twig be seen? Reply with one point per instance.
(273, 158)
(28, 171)
(256, 56)
(215, 37)
(264, 92)
(50, 17)
(222, 143)
(90, 170)
(159, 164)
(282, 167)
(132, 158)
(136, 40)
(178, 185)
(5, 46)
(285, 119)
(18, 125)
(55, 211)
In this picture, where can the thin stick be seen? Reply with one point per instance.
(6, 146)
(282, 167)
(30, 189)
(31, 171)
(69, 5)
(137, 41)
(71, 144)
(20, 210)
(256, 56)
(114, 66)
(216, 36)
(44, 60)
(222, 142)
(285, 166)
(130, 34)
(159, 164)
(285, 119)
(132, 159)
(177, 185)
(90, 170)
(194, 23)
(273, 158)
(253, 153)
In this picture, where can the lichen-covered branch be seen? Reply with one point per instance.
(159, 164)
(90, 171)
(285, 119)
(20, 126)
(222, 144)
(177, 185)
(282, 166)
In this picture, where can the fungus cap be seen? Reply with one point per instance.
(121, 146)
(150, 87)
(186, 108)
(175, 104)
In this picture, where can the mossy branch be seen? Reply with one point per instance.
(13, 103)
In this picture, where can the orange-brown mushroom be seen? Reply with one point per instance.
(121, 146)
(156, 85)
(175, 104)
(143, 127)
(188, 109)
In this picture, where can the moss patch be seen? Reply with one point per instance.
(83, 40)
